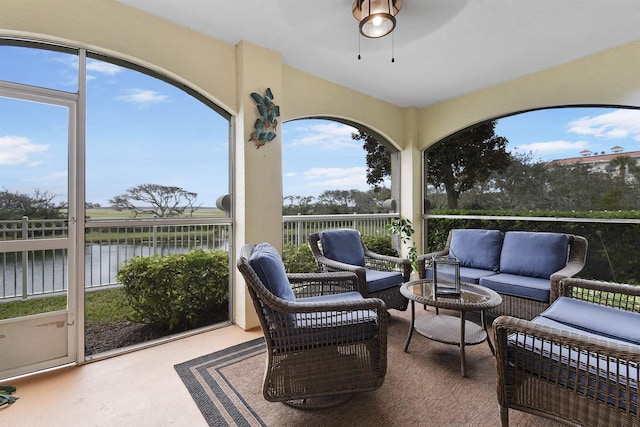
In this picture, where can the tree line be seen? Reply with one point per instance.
(468, 170)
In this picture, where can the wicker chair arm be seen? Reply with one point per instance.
(422, 261)
(382, 262)
(315, 284)
(329, 265)
(386, 258)
(571, 269)
(425, 257)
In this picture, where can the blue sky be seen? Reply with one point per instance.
(141, 130)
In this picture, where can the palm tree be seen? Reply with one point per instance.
(623, 164)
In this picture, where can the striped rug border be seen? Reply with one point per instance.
(219, 401)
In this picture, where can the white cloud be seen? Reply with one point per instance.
(623, 123)
(550, 147)
(330, 135)
(103, 67)
(16, 150)
(342, 178)
(140, 96)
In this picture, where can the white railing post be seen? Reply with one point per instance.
(25, 259)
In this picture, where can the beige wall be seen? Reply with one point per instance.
(609, 77)
(228, 74)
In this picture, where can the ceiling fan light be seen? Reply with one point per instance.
(376, 17)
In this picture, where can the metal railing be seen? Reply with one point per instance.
(296, 228)
(108, 244)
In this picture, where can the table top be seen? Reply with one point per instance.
(472, 297)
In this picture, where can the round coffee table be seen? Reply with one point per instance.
(449, 329)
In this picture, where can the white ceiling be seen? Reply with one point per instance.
(443, 48)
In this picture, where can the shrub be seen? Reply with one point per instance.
(379, 244)
(298, 260)
(176, 292)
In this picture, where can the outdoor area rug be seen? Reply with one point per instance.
(423, 387)
(207, 379)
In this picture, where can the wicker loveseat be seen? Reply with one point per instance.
(325, 342)
(522, 267)
(578, 361)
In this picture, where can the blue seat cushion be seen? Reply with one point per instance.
(532, 288)
(534, 254)
(477, 248)
(467, 274)
(330, 327)
(343, 246)
(597, 319)
(380, 280)
(604, 379)
(266, 262)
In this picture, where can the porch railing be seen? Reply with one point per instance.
(108, 244)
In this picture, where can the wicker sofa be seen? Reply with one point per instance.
(578, 361)
(522, 267)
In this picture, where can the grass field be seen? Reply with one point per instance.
(109, 213)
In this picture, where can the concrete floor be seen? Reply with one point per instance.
(140, 388)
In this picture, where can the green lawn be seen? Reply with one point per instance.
(102, 307)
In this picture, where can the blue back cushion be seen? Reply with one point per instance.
(601, 320)
(266, 262)
(477, 248)
(534, 254)
(343, 246)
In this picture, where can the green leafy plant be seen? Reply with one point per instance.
(176, 292)
(404, 228)
(380, 244)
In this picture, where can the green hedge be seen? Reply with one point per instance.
(301, 260)
(177, 292)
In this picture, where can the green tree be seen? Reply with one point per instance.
(378, 159)
(40, 205)
(520, 186)
(160, 200)
(459, 162)
(337, 202)
(575, 187)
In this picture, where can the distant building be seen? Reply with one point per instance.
(599, 162)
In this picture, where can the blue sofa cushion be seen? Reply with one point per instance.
(266, 262)
(467, 274)
(519, 286)
(534, 254)
(597, 319)
(380, 280)
(343, 246)
(477, 248)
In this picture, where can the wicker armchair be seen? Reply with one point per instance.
(567, 376)
(325, 342)
(379, 276)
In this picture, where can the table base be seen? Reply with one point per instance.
(449, 330)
